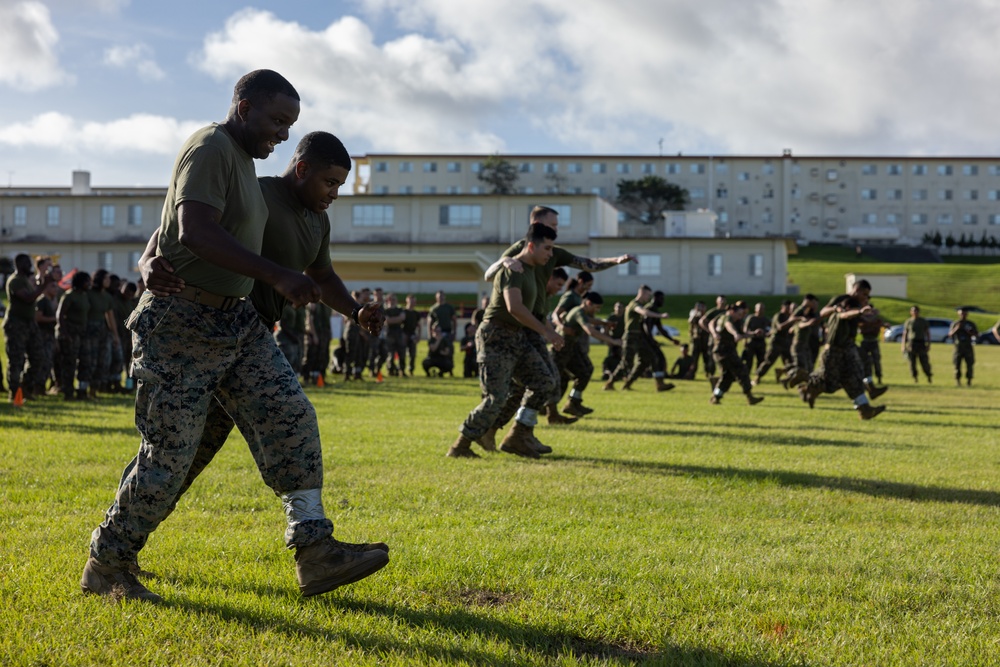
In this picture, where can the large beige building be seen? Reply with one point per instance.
(831, 199)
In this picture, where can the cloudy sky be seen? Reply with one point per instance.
(114, 86)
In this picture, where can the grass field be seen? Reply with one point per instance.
(662, 530)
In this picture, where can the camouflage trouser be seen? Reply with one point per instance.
(409, 360)
(779, 349)
(290, 346)
(700, 348)
(378, 352)
(732, 369)
(839, 368)
(504, 354)
(518, 391)
(396, 349)
(967, 354)
(802, 358)
(573, 363)
(187, 356)
(72, 356)
(611, 361)
(94, 344)
(917, 351)
(637, 357)
(354, 349)
(46, 358)
(755, 349)
(23, 345)
(316, 353)
(871, 358)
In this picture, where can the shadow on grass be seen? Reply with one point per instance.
(545, 644)
(699, 430)
(440, 387)
(876, 488)
(59, 416)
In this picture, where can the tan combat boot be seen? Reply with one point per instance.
(663, 386)
(609, 385)
(520, 440)
(575, 407)
(868, 411)
(556, 418)
(462, 449)
(488, 440)
(874, 392)
(118, 583)
(324, 566)
(754, 400)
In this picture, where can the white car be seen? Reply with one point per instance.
(939, 331)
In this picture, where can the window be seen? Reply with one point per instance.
(920, 170)
(52, 216)
(970, 169)
(576, 190)
(944, 170)
(869, 219)
(382, 190)
(994, 219)
(796, 193)
(722, 169)
(454, 167)
(715, 265)
(944, 195)
(756, 266)
(430, 190)
(405, 167)
(381, 167)
(891, 218)
(106, 261)
(766, 217)
(831, 174)
(993, 195)
(723, 217)
(406, 189)
(648, 265)
(767, 169)
(526, 167)
(744, 201)
(372, 215)
(135, 215)
(919, 194)
(721, 193)
(133, 261)
(477, 167)
(697, 168)
(20, 216)
(574, 168)
(565, 212)
(743, 176)
(430, 167)
(673, 168)
(894, 194)
(551, 168)
(599, 168)
(697, 193)
(623, 168)
(476, 190)
(768, 193)
(970, 219)
(107, 215)
(894, 169)
(972, 195)
(869, 194)
(454, 190)
(869, 169)
(462, 215)
(648, 168)
(918, 219)
(944, 219)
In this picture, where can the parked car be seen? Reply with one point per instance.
(987, 338)
(939, 331)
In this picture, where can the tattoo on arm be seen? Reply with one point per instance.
(588, 264)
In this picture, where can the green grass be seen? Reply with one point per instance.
(662, 530)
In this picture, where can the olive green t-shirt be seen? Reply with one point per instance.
(917, 329)
(47, 308)
(777, 333)
(560, 257)
(74, 307)
(725, 339)
(17, 309)
(100, 303)
(616, 326)
(633, 320)
(395, 311)
(411, 321)
(294, 237)
(441, 315)
(505, 278)
(211, 168)
(573, 323)
(802, 333)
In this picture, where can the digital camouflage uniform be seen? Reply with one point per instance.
(21, 336)
(802, 355)
(395, 341)
(70, 331)
(637, 351)
(316, 349)
(918, 337)
(47, 340)
(870, 329)
(187, 356)
(963, 339)
(839, 365)
(504, 354)
(727, 360)
(615, 329)
(572, 361)
(754, 348)
(780, 347)
(96, 339)
(290, 333)
(701, 345)
(410, 329)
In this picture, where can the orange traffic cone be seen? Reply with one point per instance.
(319, 381)
(379, 378)
(19, 398)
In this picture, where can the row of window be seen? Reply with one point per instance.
(649, 265)
(53, 215)
(459, 215)
(923, 219)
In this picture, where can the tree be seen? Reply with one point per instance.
(648, 198)
(499, 174)
(937, 239)
(949, 242)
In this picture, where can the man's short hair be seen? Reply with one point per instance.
(585, 277)
(560, 273)
(863, 284)
(79, 280)
(811, 297)
(915, 307)
(594, 298)
(322, 148)
(262, 85)
(645, 288)
(538, 232)
(540, 212)
(787, 302)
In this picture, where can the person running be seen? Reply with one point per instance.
(573, 360)
(727, 330)
(781, 342)
(637, 351)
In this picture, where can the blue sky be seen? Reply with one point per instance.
(114, 86)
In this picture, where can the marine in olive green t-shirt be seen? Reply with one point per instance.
(524, 280)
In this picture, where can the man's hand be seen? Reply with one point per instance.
(617, 342)
(158, 276)
(371, 318)
(555, 339)
(513, 264)
(627, 258)
(298, 288)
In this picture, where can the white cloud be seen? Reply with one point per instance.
(28, 41)
(143, 133)
(753, 76)
(138, 56)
